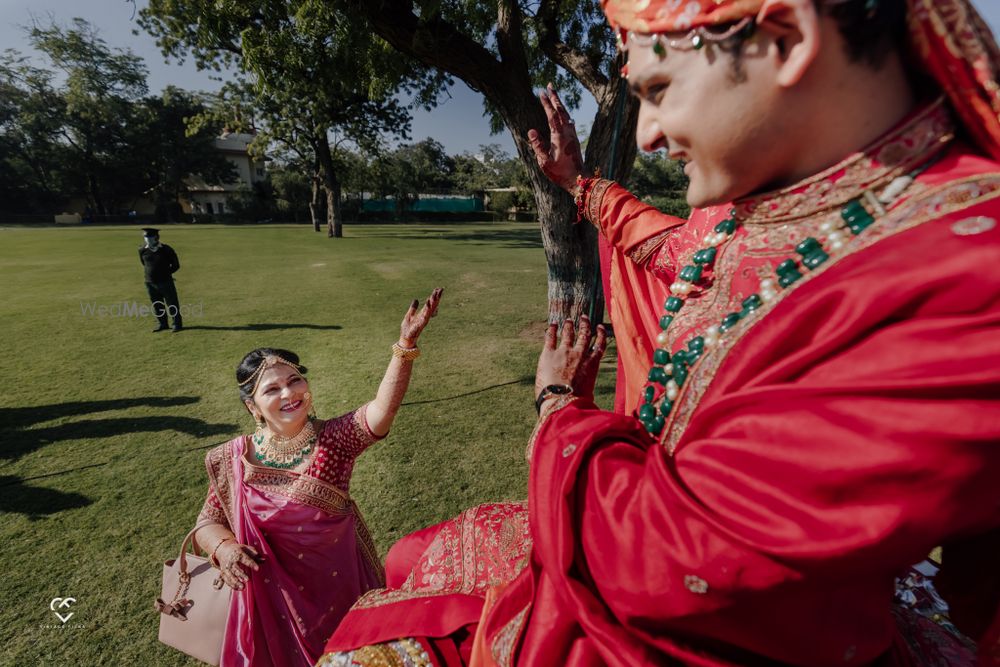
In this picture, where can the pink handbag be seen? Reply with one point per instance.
(194, 621)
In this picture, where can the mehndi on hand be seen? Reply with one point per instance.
(235, 561)
(414, 322)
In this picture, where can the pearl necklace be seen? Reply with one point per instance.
(275, 451)
(671, 371)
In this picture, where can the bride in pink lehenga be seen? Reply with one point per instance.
(278, 521)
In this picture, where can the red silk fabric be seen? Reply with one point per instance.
(437, 580)
(952, 43)
(638, 291)
(851, 431)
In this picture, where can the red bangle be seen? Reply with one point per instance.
(583, 185)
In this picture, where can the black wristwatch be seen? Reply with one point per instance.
(552, 389)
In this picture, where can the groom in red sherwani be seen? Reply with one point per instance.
(814, 375)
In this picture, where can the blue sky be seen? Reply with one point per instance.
(458, 123)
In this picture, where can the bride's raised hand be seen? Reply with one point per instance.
(414, 321)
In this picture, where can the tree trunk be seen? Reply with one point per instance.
(316, 210)
(574, 284)
(574, 280)
(334, 220)
(94, 191)
(331, 184)
(611, 145)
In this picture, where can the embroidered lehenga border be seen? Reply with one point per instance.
(301, 488)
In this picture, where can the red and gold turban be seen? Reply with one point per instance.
(948, 38)
(647, 16)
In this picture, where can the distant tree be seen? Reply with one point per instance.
(357, 171)
(321, 79)
(410, 170)
(660, 181)
(378, 172)
(429, 166)
(172, 150)
(32, 159)
(100, 88)
(95, 135)
(240, 108)
(489, 167)
(292, 188)
(253, 203)
(472, 175)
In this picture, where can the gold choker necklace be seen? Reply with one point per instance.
(276, 451)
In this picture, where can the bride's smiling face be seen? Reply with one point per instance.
(281, 399)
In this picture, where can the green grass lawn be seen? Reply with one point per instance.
(105, 425)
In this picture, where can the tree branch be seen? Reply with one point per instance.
(510, 38)
(69, 140)
(570, 59)
(435, 42)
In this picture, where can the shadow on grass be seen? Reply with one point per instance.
(20, 418)
(35, 502)
(105, 428)
(20, 438)
(266, 327)
(526, 380)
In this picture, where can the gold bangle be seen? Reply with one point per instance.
(212, 558)
(405, 353)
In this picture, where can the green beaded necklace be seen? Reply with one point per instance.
(671, 371)
(284, 453)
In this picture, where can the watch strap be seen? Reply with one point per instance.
(551, 390)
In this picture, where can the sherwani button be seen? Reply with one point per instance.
(972, 226)
(695, 584)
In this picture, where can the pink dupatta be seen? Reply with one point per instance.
(318, 558)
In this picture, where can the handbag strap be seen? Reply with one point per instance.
(178, 605)
(182, 558)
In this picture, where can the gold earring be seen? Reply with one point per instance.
(312, 409)
(258, 434)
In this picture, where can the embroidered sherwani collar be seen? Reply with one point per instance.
(913, 142)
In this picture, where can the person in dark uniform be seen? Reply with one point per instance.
(160, 262)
